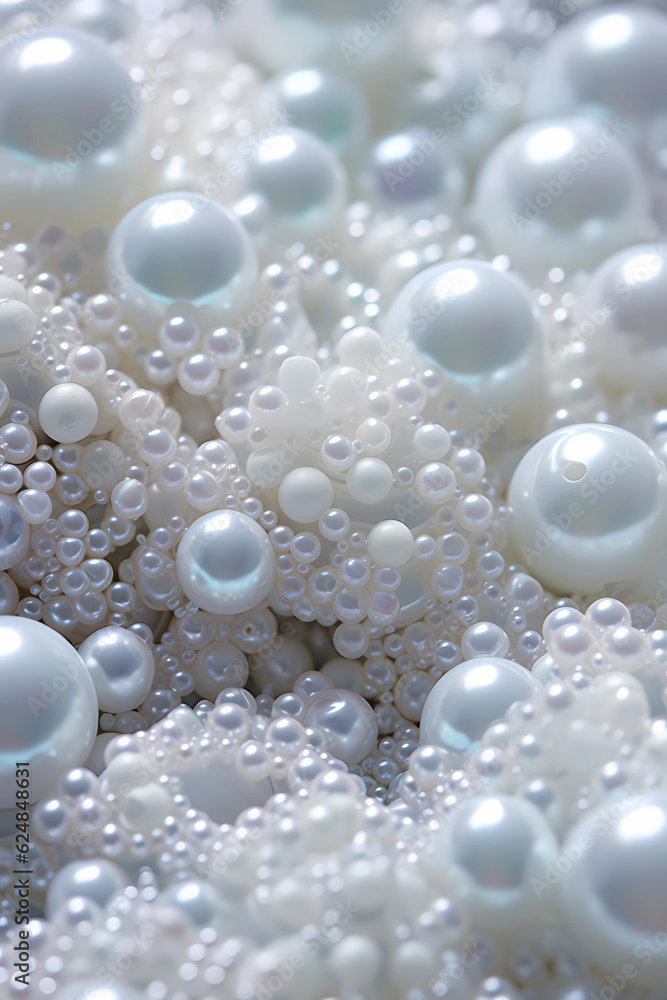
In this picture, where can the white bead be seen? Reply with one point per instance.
(349, 722)
(390, 543)
(98, 880)
(17, 326)
(121, 666)
(588, 507)
(68, 413)
(48, 706)
(370, 480)
(305, 494)
(225, 562)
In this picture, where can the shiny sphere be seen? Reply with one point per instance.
(68, 412)
(620, 315)
(498, 845)
(317, 101)
(613, 890)
(301, 179)
(413, 175)
(98, 880)
(349, 722)
(604, 61)
(180, 246)
(14, 534)
(471, 696)
(225, 562)
(48, 707)
(588, 507)
(121, 666)
(563, 192)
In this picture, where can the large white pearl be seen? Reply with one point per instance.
(479, 325)
(121, 666)
(604, 61)
(621, 315)
(99, 880)
(225, 562)
(349, 722)
(496, 847)
(70, 131)
(472, 695)
(563, 192)
(180, 246)
(48, 707)
(589, 507)
(613, 889)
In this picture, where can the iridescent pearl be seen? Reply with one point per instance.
(604, 61)
(316, 101)
(349, 722)
(48, 707)
(180, 246)
(14, 534)
(496, 847)
(479, 325)
(588, 507)
(411, 174)
(98, 880)
(469, 698)
(70, 130)
(613, 887)
(563, 192)
(225, 562)
(121, 666)
(620, 314)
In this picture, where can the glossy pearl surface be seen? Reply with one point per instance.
(121, 666)
(48, 708)
(225, 562)
(348, 721)
(471, 696)
(588, 507)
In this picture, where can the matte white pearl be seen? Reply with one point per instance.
(471, 696)
(390, 543)
(620, 315)
(225, 562)
(588, 507)
(68, 413)
(613, 889)
(180, 246)
(563, 192)
(17, 325)
(498, 845)
(305, 494)
(121, 666)
(604, 61)
(48, 707)
(349, 722)
(94, 879)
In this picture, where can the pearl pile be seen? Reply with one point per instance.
(333, 499)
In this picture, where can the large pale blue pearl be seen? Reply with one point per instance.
(48, 707)
(180, 246)
(469, 698)
(612, 881)
(14, 534)
(225, 562)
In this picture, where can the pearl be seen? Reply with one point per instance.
(14, 534)
(48, 709)
(225, 562)
(564, 191)
(478, 325)
(606, 61)
(588, 507)
(619, 314)
(471, 696)
(390, 543)
(99, 881)
(410, 174)
(17, 326)
(348, 721)
(305, 494)
(68, 413)
(612, 890)
(497, 846)
(121, 666)
(180, 246)
(70, 129)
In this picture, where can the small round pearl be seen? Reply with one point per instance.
(180, 246)
(472, 695)
(225, 562)
(390, 543)
(349, 722)
(588, 507)
(48, 706)
(305, 494)
(121, 666)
